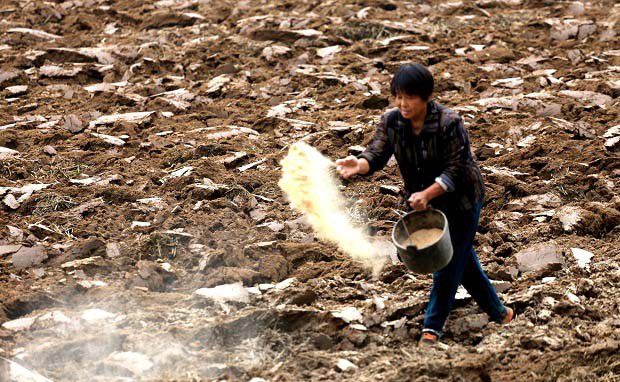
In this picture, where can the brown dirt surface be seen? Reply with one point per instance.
(109, 222)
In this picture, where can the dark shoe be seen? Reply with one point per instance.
(510, 315)
(428, 339)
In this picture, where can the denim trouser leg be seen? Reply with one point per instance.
(481, 290)
(463, 268)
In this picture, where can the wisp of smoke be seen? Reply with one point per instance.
(311, 187)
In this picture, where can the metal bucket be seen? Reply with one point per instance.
(428, 259)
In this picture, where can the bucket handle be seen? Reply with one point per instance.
(403, 213)
(399, 213)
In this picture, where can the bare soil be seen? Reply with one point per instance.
(155, 207)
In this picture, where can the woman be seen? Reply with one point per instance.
(432, 150)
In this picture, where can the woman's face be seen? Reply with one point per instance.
(410, 106)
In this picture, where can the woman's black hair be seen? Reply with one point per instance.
(413, 79)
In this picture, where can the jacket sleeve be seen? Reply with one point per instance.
(456, 154)
(380, 148)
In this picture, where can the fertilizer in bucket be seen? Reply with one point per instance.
(423, 238)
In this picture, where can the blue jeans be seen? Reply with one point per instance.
(464, 268)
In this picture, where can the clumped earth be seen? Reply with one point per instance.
(144, 236)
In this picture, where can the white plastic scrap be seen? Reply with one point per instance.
(185, 171)
(275, 50)
(329, 51)
(82, 262)
(573, 298)
(359, 327)
(569, 216)
(155, 201)
(254, 291)
(265, 287)
(109, 139)
(105, 86)
(612, 136)
(18, 373)
(395, 324)
(527, 141)
(86, 181)
(389, 40)
(509, 82)
(6, 153)
(291, 106)
(11, 202)
(135, 117)
(36, 33)
(26, 191)
(461, 293)
(95, 315)
(88, 284)
(308, 32)
(135, 224)
(544, 314)
(413, 48)
(285, 283)
(582, 257)
(345, 365)
(379, 303)
(226, 292)
(217, 83)
(348, 314)
(23, 323)
(588, 97)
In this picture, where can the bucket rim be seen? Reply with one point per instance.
(443, 232)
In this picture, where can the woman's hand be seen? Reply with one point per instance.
(347, 167)
(418, 201)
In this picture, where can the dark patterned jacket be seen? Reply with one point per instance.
(440, 153)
